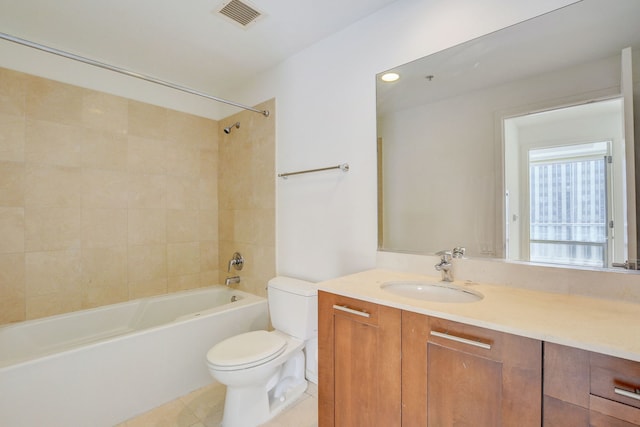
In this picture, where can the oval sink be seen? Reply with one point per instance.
(436, 291)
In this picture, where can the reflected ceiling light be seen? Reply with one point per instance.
(390, 77)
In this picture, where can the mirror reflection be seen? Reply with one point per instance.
(518, 144)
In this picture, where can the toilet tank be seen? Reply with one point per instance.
(293, 306)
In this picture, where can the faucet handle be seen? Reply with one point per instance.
(237, 262)
(458, 252)
(445, 255)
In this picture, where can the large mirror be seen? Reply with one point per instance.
(518, 144)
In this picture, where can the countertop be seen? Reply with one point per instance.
(604, 326)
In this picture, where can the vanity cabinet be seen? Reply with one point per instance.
(359, 363)
(583, 388)
(457, 374)
(381, 366)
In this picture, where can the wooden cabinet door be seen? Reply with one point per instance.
(566, 374)
(461, 375)
(464, 389)
(558, 413)
(359, 363)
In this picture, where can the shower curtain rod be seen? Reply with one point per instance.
(126, 72)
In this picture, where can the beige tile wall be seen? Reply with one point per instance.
(247, 197)
(105, 199)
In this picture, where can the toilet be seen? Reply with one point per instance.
(264, 371)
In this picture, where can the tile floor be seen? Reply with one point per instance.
(203, 408)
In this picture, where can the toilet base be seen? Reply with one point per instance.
(290, 397)
(250, 406)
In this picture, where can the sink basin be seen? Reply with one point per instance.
(432, 291)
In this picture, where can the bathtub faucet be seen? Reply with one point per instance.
(236, 262)
(232, 280)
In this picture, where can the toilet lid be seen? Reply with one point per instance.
(246, 350)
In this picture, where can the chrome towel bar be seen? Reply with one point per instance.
(344, 167)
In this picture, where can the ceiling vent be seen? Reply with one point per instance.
(239, 12)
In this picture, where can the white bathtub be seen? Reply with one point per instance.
(102, 366)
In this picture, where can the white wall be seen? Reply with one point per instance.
(326, 223)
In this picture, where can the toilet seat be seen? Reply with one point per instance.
(246, 350)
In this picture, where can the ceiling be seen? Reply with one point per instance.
(186, 42)
(582, 32)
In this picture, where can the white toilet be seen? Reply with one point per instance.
(265, 371)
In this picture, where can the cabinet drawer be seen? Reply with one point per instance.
(600, 420)
(615, 379)
(607, 413)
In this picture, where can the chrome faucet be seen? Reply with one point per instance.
(233, 280)
(236, 262)
(444, 266)
(458, 252)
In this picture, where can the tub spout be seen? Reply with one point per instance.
(232, 280)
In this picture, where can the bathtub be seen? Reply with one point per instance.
(101, 366)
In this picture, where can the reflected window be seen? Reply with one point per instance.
(568, 189)
(564, 182)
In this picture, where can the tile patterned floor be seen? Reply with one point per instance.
(203, 408)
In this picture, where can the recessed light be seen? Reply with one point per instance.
(390, 77)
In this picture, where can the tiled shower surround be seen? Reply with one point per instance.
(105, 199)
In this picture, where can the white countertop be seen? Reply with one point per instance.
(604, 326)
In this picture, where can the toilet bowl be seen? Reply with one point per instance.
(265, 371)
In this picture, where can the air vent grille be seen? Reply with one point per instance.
(239, 12)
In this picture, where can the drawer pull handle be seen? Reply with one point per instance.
(462, 340)
(351, 310)
(626, 393)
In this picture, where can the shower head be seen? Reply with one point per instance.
(228, 129)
